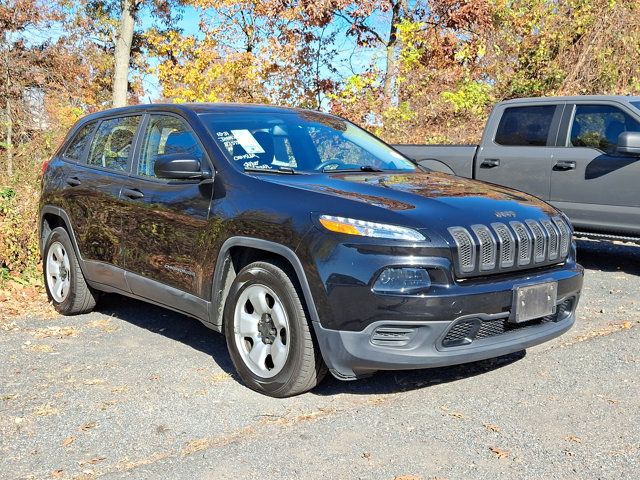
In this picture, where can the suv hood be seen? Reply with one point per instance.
(424, 197)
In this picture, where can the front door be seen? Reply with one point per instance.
(165, 226)
(592, 183)
(519, 154)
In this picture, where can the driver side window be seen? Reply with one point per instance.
(166, 134)
(598, 126)
(111, 147)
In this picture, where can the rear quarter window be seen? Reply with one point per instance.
(79, 142)
(525, 126)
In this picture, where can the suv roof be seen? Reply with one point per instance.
(195, 108)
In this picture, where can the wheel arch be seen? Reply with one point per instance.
(237, 252)
(52, 217)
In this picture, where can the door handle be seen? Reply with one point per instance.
(73, 181)
(132, 193)
(564, 165)
(490, 163)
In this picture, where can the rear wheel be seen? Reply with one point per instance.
(64, 281)
(268, 333)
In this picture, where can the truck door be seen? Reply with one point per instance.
(592, 183)
(517, 147)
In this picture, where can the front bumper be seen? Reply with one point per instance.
(396, 344)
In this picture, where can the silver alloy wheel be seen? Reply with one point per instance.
(261, 331)
(58, 272)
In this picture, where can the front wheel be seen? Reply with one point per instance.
(268, 333)
(64, 281)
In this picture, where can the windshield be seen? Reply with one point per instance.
(304, 141)
(636, 104)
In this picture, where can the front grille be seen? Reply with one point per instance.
(491, 248)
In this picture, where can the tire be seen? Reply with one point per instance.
(63, 278)
(268, 333)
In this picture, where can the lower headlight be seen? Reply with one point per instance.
(401, 280)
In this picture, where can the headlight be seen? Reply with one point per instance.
(363, 228)
(402, 280)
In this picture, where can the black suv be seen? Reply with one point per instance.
(308, 242)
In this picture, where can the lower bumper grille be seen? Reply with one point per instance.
(469, 330)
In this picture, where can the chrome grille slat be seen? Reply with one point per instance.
(481, 249)
(554, 237)
(565, 236)
(524, 243)
(506, 244)
(487, 253)
(539, 241)
(466, 249)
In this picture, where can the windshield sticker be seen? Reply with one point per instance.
(256, 164)
(247, 141)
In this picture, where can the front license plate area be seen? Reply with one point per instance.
(534, 301)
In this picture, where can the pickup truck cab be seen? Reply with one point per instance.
(581, 154)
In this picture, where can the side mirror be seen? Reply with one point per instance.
(629, 143)
(177, 166)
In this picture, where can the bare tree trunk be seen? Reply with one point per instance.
(123, 53)
(9, 138)
(399, 9)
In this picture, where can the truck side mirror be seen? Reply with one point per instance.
(629, 143)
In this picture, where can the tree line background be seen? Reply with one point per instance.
(411, 71)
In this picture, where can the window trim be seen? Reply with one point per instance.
(552, 135)
(141, 137)
(134, 142)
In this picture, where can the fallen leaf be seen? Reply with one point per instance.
(456, 414)
(40, 348)
(88, 426)
(573, 438)
(366, 455)
(491, 427)
(93, 461)
(68, 441)
(499, 452)
(58, 473)
(94, 381)
(406, 477)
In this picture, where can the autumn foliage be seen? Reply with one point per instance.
(419, 71)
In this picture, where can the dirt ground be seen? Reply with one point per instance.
(135, 391)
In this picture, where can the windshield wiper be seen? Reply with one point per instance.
(282, 170)
(363, 168)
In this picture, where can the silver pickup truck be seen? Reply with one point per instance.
(581, 154)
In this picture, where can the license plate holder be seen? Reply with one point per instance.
(533, 301)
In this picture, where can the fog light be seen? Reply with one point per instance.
(402, 281)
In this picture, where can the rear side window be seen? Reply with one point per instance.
(598, 126)
(166, 135)
(112, 143)
(76, 147)
(525, 126)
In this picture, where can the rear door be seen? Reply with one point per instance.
(166, 229)
(517, 147)
(93, 196)
(593, 184)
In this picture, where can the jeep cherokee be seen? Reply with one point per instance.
(309, 243)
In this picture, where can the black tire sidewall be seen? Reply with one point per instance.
(279, 384)
(60, 235)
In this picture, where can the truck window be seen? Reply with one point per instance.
(598, 126)
(525, 126)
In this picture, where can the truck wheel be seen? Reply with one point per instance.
(65, 284)
(268, 333)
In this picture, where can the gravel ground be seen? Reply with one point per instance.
(134, 391)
